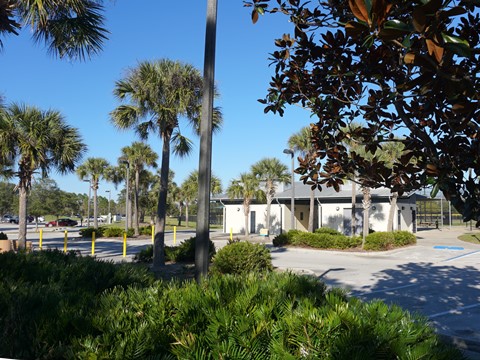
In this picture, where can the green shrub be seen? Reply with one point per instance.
(267, 316)
(145, 230)
(285, 238)
(87, 232)
(379, 241)
(403, 238)
(104, 231)
(185, 252)
(280, 240)
(326, 230)
(3, 236)
(242, 257)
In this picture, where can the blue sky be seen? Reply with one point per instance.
(82, 91)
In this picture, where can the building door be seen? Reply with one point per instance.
(399, 218)
(253, 225)
(414, 221)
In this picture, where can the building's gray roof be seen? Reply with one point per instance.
(302, 191)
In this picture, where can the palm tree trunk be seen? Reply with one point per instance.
(135, 203)
(312, 211)
(246, 211)
(159, 241)
(391, 213)
(366, 202)
(269, 206)
(22, 217)
(95, 209)
(186, 214)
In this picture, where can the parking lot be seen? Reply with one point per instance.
(439, 278)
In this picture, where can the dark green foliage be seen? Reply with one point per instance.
(254, 316)
(379, 241)
(285, 238)
(185, 252)
(326, 230)
(242, 257)
(403, 238)
(325, 238)
(320, 239)
(47, 298)
(3, 236)
(104, 231)
(63, 306)
(145, 230)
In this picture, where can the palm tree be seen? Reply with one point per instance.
(72, 29)
(95, 169)
(389, 153)
(138, 155)
(247, 187)
(37, 141)
(301, 143)
(271, 171)
(159, 93)
(189, 189)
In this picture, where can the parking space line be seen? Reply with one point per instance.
(460, 256)
(453, 311)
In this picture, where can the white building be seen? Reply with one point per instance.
(332, 209)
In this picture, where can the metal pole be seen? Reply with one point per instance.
(205, 159)
(292, 199)
(126, 197)
(108, 205)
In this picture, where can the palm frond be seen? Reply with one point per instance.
(182, 146)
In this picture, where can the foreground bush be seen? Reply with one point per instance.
(63, 306)
(388, 240)
(47, 298)
(242, 257)
(269, 316)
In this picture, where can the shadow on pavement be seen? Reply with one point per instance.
(448, 296)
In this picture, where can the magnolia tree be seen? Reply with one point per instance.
(406, 68)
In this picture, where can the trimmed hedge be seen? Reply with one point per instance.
(332, 239)
(104, 231)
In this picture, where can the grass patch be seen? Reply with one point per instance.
(471, 238)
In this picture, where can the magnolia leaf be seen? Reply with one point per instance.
(254, 16)
(434, 49)
(359, 10)
(457, 45)
(409, 58)
(397, 25)
(354, 28)
(435, 189)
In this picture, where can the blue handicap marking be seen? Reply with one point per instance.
(444, 247)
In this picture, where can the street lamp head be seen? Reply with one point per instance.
(125, 162)
(288, 151)
(87, 180)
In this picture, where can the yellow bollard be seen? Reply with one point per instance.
(124, 244)
(174, 235)
(40, 242)
(65, 241)
(153, 233)
(93, 242)
(231, 234)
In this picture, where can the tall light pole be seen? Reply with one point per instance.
(205, 158)
(108, 191)
(88, 205)
(126, 194)
(292, 200)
